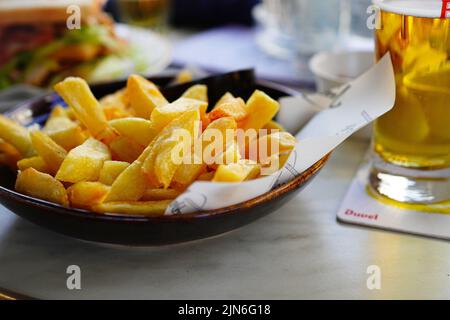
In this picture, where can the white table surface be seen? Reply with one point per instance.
(298, 252)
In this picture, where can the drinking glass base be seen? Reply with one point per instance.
(409, 185)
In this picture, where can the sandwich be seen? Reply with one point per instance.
(44, 41)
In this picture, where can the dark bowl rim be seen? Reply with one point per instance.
(228, 210)
(236, 208)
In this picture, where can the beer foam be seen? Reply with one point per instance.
(415, 8)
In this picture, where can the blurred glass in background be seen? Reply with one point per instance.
(144, 13)
(304, 27)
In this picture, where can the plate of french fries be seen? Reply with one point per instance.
(104, 164)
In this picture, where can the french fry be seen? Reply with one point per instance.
(125, 149)
(9, 155)
(118, 99)
(284, 142)
(255, 168)
(85, 194)
(197, 92)
(65, 132)
(111, 170)
(163, 115)
(35, 162)
(160, 194)
(159, 165)
(51, 152)
(230, 155)
(143, 96)
(227, 97)
(17, 135)
(273, 126)
(76, 93)
(260, 109)
(84, 162)
(41, 185)
(184, 76)
(140, 208)
(112, 113)
(207, 176)
(236, 172)
(58, 111)
(138, 129)
(131, 184)
(188, 172)
(231, 107)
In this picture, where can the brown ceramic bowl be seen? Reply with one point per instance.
(133, 230)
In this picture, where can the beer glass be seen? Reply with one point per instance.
(411, 143)
(145, 13)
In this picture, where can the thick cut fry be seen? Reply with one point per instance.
(188, 172)
(76, 93)
(197, 92)
(207, 176)
(52, 153)
(234, 107)
(125, 149)
(84, 194)
(143, 96)
(138, 129)
(112, 113)
(65, 132)
(41, 185)
(273, 126)
(230, 155)
(274, 163)
(184, 76)
(17, 135)
(160, 194)
(58, 111)
(84, 162)
(139, 208)
(35, 162)
(236, 172)
(159, 165)
(260, 109)
(9, 155)
(163, 115)
(274, 144)
(255, 168)
(118, 99)
(225, 98)
(111, 170)
(131, 184)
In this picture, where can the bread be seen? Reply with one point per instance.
(49, 11)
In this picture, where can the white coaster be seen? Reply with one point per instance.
(360, 208)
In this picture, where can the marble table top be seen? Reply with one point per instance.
(298, 252)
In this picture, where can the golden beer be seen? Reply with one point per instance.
(415, 134)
